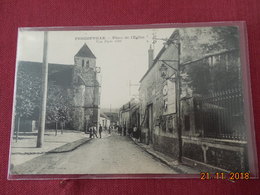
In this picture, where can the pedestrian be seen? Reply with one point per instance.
(90, 132)
(135, 133)
(109, 129)
(94, 131)
(124, 130)
(100, 131)
(120, 130)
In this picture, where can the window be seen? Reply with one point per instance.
(82, 63)
(170, 122)
(163, 123)
(87, 63)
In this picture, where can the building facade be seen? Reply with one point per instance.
(158, 109)
(193, 112)
(104, 121)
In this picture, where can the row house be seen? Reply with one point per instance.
(129, 116)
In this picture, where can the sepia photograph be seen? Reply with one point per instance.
(156, 100)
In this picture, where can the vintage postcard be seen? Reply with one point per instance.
(133, 101)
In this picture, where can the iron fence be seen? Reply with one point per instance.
(220, 115)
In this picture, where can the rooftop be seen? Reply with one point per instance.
(174, 35)
(85, 52)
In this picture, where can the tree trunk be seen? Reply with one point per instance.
(18, 129)
(62, 127)
(56, 128)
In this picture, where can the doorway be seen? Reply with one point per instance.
(150, 124)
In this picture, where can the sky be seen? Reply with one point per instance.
(122, 56)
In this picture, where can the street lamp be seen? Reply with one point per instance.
(164, 71)
(96, 70)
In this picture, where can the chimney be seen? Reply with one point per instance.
(150, 57)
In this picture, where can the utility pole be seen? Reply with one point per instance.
(178, 89)
(178, 95)
(95, 107)
(41, 129)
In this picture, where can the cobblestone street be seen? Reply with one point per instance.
(111, 154)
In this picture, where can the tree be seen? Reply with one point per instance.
(199, 76)
(27, 96)
(200, 42)
(58, 105)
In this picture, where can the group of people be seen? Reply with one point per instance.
(133, 132)
(93, 131)
(121, 130)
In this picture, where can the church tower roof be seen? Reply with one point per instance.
(85, 52)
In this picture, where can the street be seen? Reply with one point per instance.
(112, 154)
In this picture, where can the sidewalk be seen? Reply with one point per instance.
(171, 162)
(25, 149)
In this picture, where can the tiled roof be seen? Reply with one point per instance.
(85, 52)
(112, 116)
(104, 116)
(61, 74)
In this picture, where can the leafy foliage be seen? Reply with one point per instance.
(197, 42)
(199, 77)
(224, 78)
(58, 104)
(27, 94)
(211, 74)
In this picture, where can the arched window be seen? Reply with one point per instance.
(87, 63)
(82, 63)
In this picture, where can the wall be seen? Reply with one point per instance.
(164, 129)
(217, 154)
(86, 96)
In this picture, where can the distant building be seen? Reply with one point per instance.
(104, 121)
(128, 116)
(113, 116)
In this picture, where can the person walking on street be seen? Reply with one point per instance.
(135, 133)
(94, 132)
(124, 130)
(100, 131)
(90, 132)
(119, 130)
(109, 129)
